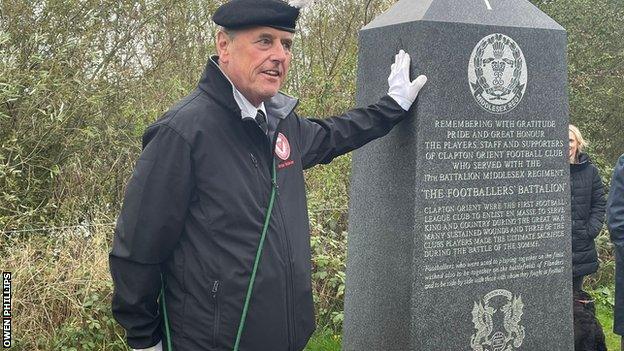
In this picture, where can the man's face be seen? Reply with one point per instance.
(256, 60)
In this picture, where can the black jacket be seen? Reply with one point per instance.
(615, 220)
(588, 212)
(193, 212)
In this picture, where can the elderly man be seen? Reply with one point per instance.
(211, 249)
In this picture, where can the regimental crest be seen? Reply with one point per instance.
(282, 147)
(497, 322)
(497, 73)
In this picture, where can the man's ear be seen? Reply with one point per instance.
(223, 42)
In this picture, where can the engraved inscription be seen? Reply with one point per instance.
(493, 187)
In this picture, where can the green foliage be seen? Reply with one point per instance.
(80, 81)
(62, 291)
(595, 71)
(323, 70)
(328, 196)
(324, 340)
(596, 94)
(94, 330)
(606, 274)
(604, 298)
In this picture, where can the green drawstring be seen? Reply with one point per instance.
(166, 319)
(241, 325)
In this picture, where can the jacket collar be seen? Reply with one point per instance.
(584, 161)
(218, 86)
(281, 105)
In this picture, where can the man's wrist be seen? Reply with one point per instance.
(402, 101)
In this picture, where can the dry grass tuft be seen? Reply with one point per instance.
(61, 291)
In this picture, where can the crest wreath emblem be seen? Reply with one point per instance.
(282, 147)
(497, 73)
(491, 337)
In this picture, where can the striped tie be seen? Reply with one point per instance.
(262, 122)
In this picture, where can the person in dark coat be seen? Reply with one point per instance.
(588, 209)
(217, 198)
(615, 221)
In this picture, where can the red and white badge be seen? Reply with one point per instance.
(282, 147)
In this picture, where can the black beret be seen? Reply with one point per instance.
(246, 13)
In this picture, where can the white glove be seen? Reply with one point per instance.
(400, 88)
(158, 347)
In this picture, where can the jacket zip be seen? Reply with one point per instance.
(256, 164)
(287, 247)
(215, 330)
(289, 274)
(290, 284)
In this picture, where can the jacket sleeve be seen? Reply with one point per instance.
(321, 140)
(147, 230)
(615, 214)
(597, 209)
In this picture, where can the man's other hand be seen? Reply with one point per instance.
(401, 89)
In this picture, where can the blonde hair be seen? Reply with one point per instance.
(579, 138)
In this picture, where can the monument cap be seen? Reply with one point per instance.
(248, 13)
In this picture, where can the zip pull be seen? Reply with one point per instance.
(254, 160)
(274, 178)
(274, 183)
(215, 288)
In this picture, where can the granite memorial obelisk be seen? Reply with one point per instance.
(459, 219)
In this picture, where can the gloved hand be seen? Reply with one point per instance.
(157, 347)
(401, 89)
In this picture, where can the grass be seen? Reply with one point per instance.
(324, 340)
(61, 292)
(605, 316)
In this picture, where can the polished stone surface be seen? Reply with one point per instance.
(459, 218)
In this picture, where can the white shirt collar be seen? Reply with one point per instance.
(246, 107)
(248, 110)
